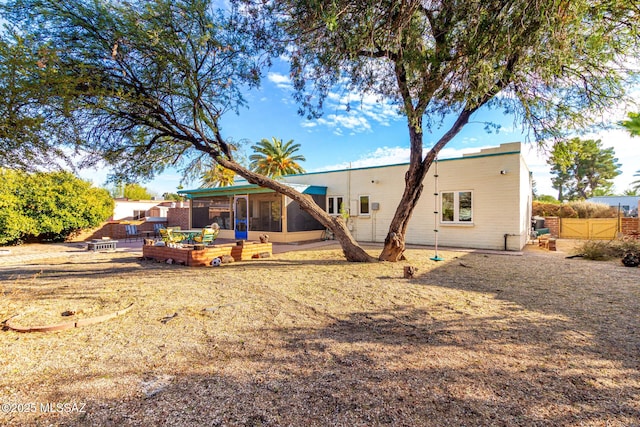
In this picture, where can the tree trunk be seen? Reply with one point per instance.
(352, 251)
(394, 243)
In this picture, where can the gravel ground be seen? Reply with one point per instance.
(304, 338)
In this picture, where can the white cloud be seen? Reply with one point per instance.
(349, 110)
(280, 80)
(380, 156)
(393, 155)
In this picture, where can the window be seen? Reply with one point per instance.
(139, 214)
(364, 205)
(457, 207)
(207, 210)
(334, 205)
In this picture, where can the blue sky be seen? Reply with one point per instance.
(373, 133)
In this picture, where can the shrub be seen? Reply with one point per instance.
(593, 210)
(48, 206)
(578, 209)
(596, 250)
(553, 209)
(604, 250)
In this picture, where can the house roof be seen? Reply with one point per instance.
(250, 189)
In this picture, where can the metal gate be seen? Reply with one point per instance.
(589, 229)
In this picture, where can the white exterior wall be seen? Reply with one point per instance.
(124, 208)
(501, 202)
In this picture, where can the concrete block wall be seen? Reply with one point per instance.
(178, 217)
(630, 225)
(116, 230)
(553, 224)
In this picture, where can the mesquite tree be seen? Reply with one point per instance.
(149, 81)
(554, 64)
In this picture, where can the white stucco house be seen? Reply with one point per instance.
(483, 200)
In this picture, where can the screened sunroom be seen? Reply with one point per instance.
(244, 212)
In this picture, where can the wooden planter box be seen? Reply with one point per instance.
(199, 258)
(186, 256)
(248, 250)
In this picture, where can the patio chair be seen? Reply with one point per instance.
(207, 236)
(131, 232)
(165, 235)
(169, 236)
(156, 229)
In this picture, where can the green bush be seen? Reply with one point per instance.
(48, 206)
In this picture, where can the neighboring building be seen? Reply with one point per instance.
(126, 209)
(483, 201)
(628, 204)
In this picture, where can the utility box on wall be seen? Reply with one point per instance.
(375, 206)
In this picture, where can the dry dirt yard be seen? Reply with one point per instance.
(306, 339)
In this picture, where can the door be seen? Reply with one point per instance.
(241, 215)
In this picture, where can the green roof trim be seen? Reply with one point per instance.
(249, 189)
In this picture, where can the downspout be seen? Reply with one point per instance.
(505, 240)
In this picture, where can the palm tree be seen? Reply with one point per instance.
(217, 176)
(274, 159)
(633, 124)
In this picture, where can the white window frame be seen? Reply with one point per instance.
(368, 213)
(139, 214)
(456, 208)
(336, 205)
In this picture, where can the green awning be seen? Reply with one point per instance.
(249, 189)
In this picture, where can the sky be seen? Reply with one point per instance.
(372, 133)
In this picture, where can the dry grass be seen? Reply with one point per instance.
(305, 338)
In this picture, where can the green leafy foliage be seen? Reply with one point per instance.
(14, 219)
(172, 196)
(148, 81)
(49, 205)
(217, 176)
(275, 159)
(135, 191)
(633, 124)
(35, 121)
(545, 198)
(582, 168)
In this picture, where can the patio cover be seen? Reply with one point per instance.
(249, 189)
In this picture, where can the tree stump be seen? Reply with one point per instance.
(409, 271)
